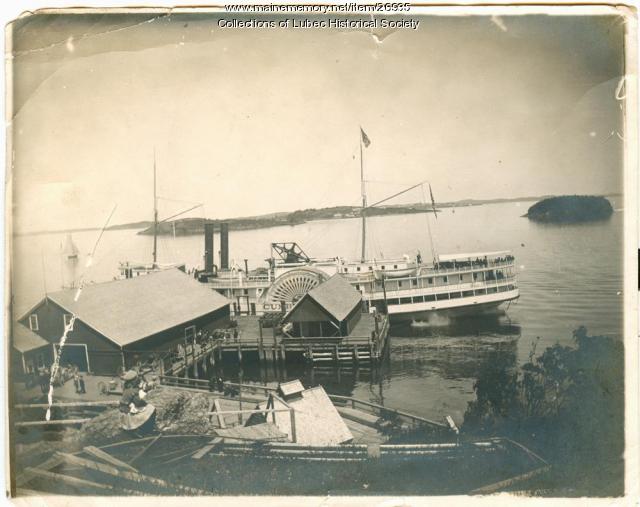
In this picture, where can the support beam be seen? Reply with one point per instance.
(62, 422)
(105, 456)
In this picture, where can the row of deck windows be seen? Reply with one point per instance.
(449, 295)
(346, 270)
(489, 276)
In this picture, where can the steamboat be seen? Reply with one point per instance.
(406, 288)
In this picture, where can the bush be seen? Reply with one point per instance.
(567, 404)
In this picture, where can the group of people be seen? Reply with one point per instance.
(481, 262)
(70, 371)
(135, 411)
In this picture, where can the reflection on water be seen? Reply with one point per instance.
(446, 360)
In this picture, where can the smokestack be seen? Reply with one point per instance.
(224, 245)
(208, 247)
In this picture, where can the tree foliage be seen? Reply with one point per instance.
(567, 403)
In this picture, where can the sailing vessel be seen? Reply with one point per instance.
(407, 288)
(69, 250)
(129, 269)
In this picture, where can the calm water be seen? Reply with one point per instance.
(568, 275)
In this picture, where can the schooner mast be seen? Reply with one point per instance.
(363, 140)
(155, 215)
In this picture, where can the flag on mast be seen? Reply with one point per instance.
(433, 202)
(365, 139)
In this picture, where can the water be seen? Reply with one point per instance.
(569, 275)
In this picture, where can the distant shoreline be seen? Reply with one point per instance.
(193, 226)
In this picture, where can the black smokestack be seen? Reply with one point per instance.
(208, 247)
(224, 245)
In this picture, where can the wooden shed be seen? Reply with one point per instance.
(29, 350)
(333, 308)
(122, 322)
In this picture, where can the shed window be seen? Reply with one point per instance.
(67, 319)
(414, 282)
(33, 322)
(370, 268)
(358, 268)
(429, 281)
(395, 266)
(399, 284)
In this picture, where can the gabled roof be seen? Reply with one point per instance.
(337, 296)
(24, 340)
(125, 311)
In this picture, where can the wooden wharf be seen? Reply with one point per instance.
(261, 340)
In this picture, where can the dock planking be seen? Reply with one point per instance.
(251, 340)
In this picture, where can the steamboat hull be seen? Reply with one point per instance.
(417, 312)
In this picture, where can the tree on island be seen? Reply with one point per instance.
(570, 209)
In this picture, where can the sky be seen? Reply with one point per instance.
(254, 121)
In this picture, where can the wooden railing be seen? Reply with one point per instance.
(381, 411)
(204, 385)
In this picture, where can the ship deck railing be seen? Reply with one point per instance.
(422, 271)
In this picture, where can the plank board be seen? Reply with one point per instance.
(205, 450)
(221, 422)
(257, 432)
(100, 454)
(130, 476)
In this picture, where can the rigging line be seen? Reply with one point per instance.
(178, 214)
(395, 195)
(433, 250)
(102, 231)
(176, 200)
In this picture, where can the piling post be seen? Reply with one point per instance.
(185, 357)
(292, 414)
(239, 353)
(355, 352)
(336, 354)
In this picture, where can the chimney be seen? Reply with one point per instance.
(208, 247)
(224, 245)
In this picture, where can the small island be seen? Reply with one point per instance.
(568, 209)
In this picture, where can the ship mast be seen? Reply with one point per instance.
(155, 214)
(364, 201)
